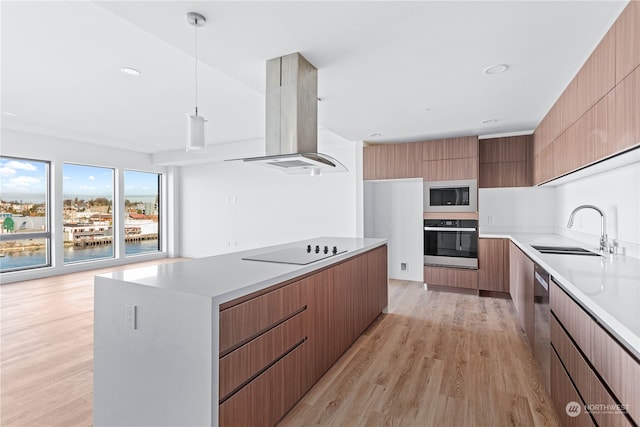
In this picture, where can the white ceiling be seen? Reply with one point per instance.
(380, 64)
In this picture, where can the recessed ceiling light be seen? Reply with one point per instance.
(9, 113)
(374, 134)
(489, 121)
(496, 69)
(130, 71)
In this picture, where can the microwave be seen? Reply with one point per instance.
(451, 196)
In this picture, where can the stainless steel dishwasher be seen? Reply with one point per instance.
(541, 316)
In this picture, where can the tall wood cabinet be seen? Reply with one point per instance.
(275, 345)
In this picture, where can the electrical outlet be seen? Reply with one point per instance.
(131, 316)
(403, 266)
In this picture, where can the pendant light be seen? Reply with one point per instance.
(195, 123)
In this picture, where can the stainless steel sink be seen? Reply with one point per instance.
(564, 250)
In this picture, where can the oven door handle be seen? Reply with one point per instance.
(448, 229)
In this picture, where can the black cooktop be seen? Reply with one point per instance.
(299, 256)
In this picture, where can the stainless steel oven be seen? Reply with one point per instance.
(451, 242)
(451, 196)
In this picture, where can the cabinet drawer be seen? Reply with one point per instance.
(454, 277)
(574, 319)
(260, 403)
(245, 321)
(562, 393)
(585, 379)
(618, 369)
(239, 366)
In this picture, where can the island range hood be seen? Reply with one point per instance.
(292, 119)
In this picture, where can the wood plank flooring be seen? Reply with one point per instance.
(46, 350)
(436, 359)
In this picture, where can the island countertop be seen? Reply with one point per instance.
(607, 286)
(228, 276)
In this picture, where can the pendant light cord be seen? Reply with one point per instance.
(196, 65)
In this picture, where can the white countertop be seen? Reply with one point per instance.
(608, 287)
(226, 277)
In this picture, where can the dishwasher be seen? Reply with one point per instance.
(541, 318)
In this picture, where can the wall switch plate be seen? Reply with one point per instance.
(131, 314)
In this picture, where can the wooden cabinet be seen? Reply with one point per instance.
(506, 162)
(602, 371)
(451, 277)
(565, 397)
(274, 345)
(450, 159)
(493, 265)
(627, 29)
(598, 114)
(392, 161)
(627, 110)
(521, 288)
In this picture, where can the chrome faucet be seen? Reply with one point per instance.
(603, 224)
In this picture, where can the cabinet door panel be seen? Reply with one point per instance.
(450, 169)
(627, 111)
(627, 29)
(575, 320)
(452, 277)
(562, 393)
(491, 260)
(451, 148)
(265, 400)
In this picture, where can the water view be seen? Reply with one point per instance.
(30, 259)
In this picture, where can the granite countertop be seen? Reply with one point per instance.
(226, 277)
(608, 286)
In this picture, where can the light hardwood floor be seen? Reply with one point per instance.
(436, 359)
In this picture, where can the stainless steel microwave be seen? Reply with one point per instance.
(451, 196)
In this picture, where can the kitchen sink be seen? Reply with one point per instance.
(564, 250)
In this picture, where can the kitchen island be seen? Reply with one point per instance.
(229, 341)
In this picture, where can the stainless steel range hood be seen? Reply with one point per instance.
(292, 119)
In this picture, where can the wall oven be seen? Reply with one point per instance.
(451, 243)
(451, 196)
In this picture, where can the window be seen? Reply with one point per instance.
(25, 236)
(141, 212)
(87, 193)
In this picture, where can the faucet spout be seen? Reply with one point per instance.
(603, 224)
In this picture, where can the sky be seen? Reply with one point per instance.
(27, 180)
(23, 177)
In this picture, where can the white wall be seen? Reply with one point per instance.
(617, 193)
(522, 209)
(57, 151)
(393, 211)
(230, 206)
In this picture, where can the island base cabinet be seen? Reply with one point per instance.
(276, 345)
(260, 404)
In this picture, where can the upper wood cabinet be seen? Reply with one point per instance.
(598, 114)
(450, 159)
(506, 162)
(438, 160)
(392, 161)
(627, 29)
